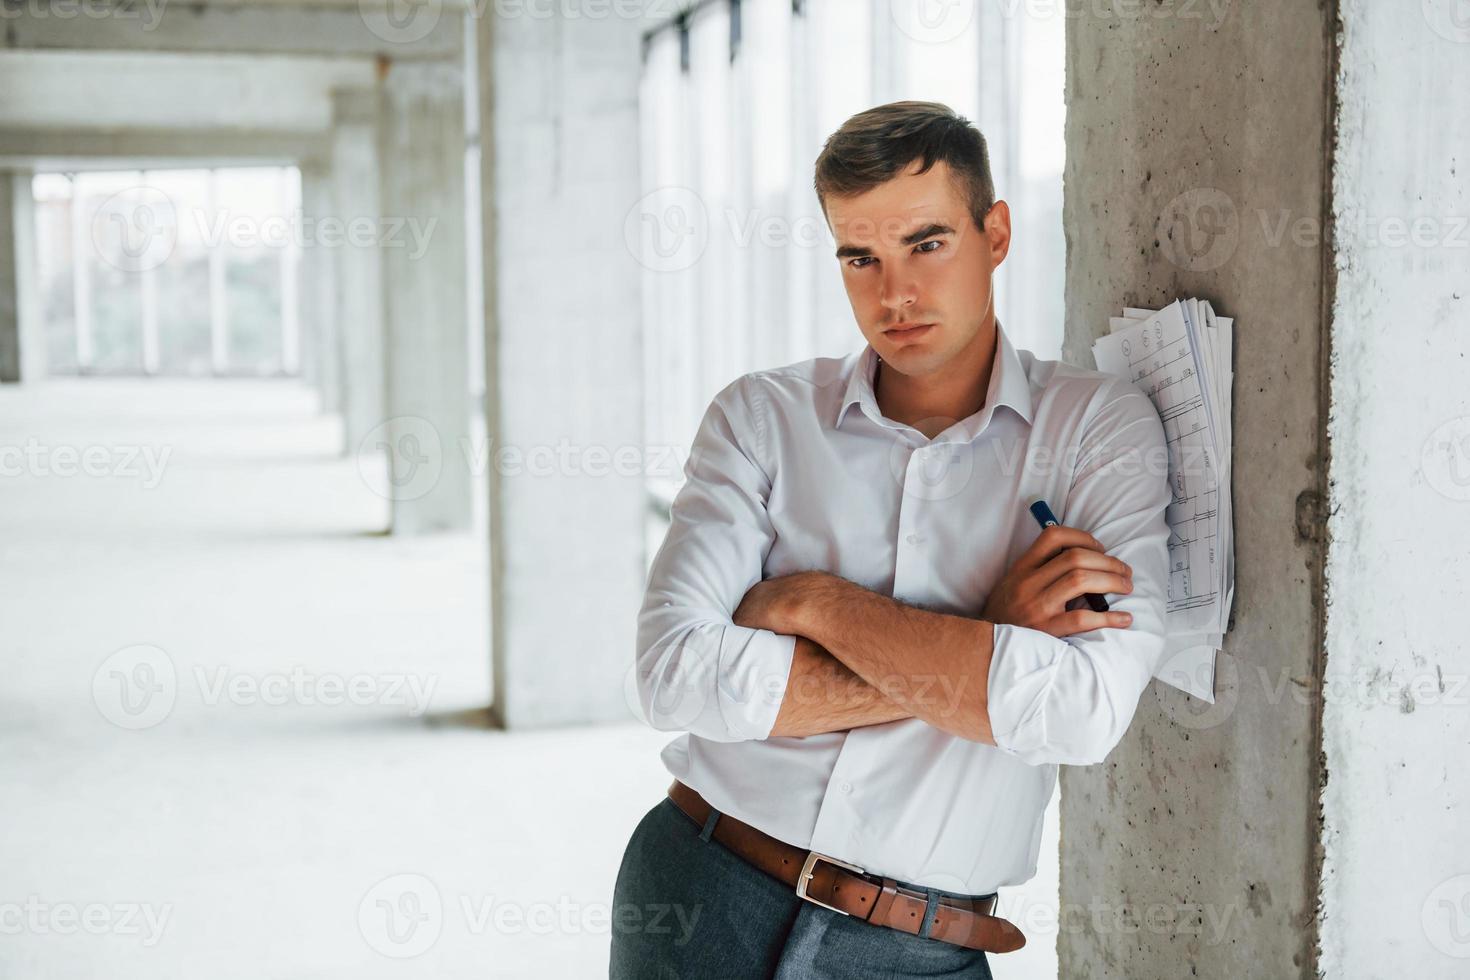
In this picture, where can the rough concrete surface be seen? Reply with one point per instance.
(1192, 131)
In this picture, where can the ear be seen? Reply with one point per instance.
(998, 231)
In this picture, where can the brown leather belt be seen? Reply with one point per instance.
(845, 888)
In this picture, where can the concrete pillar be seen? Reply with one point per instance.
(425, 297)
(10, 338)
(1172, 151)
(219, 306)
(358, 228)
(559, 119)
(22, 346)
(321, 339)
(1201, 151)
(289, 264)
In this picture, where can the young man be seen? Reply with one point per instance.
(877, 654)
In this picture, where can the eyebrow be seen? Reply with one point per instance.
(912, 238)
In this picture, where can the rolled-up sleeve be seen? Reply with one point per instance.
(1069, 700)
(696, 670)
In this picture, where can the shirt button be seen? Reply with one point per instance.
(915, 538)
(846, 787)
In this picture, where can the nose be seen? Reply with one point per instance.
(898, 291)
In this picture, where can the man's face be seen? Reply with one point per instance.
(911, 255)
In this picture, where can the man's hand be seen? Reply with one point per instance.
(1061, 565)
(773, 604)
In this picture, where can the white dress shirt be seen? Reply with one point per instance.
(795, 469)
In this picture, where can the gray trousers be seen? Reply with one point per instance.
(687, 908)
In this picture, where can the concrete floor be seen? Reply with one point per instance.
(249, 818)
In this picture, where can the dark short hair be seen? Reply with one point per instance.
(878, 144)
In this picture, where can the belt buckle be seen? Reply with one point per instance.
(806, 875)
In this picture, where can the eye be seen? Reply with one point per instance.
(862, 261)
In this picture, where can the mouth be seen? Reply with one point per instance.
(909, 332)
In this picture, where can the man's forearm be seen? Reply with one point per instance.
(825, 695)
(934, 665)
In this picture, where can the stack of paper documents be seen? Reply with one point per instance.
(1180, 357)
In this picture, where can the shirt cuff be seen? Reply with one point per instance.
(752, 681)
(1022, 672)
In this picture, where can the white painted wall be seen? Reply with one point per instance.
(1396, 726)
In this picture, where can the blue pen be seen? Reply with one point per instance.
(1046, 519)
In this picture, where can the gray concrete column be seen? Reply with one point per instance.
(321, 339)
(1208, 813)
(563, 363)
(358, 228)
(425, 297)
(1230, 154)
(22, 346)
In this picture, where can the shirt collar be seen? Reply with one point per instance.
(1009, 385)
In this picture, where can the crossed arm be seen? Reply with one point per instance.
(944, 684)
(862, 658)
(825, 695)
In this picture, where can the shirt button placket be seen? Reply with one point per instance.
(910, 565)
(837, 823)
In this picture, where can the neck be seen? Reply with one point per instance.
(933, 402)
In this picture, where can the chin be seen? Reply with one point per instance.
(914, 358)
